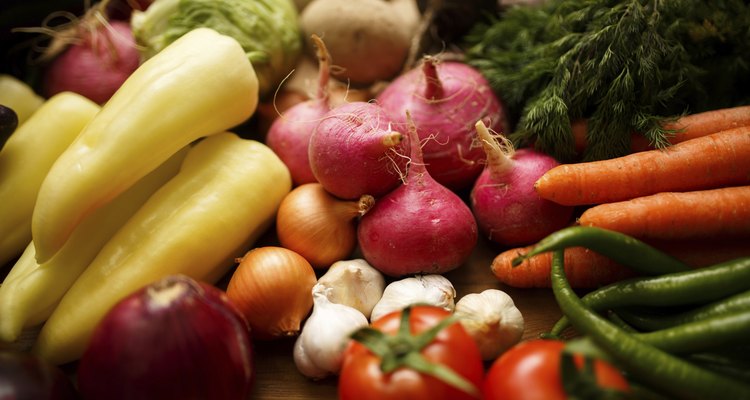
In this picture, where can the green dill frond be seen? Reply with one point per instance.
(626, 66)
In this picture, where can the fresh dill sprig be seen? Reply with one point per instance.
(625, 66)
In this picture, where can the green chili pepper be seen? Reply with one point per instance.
(653, 321)
(692, 287)
(644, 362)
(621, 248)
(702, 335)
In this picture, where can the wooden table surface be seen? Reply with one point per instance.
(277, 376)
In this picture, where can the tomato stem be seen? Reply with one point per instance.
(404, 350)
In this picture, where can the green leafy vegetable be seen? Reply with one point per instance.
(267, 30)
(626, 66)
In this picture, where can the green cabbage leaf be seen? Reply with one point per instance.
(268, 31)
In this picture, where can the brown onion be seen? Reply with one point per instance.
(272, 287)
(319, 226)
(174, 339)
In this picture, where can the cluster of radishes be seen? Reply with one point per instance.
(423, 140)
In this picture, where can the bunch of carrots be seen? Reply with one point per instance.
(691, 200)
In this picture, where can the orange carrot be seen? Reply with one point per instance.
(708, 122)
(585, 269)
(687, 127)
(677, 215)
(717, 160)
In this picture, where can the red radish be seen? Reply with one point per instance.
(98, 58)
(354, 152)
(289, 135)
(503, 200)
(420, 227)
(445, 99)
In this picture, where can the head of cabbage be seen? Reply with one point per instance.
(268, 31)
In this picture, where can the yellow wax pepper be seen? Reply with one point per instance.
(19, 96)
(225, 196)
(31, 291)
(199, 85)
(26, 159)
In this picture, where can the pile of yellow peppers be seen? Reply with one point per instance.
(101, 201)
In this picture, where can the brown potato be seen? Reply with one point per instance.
(368, 39)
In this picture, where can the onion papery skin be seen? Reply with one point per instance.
(445, 120)
(318, 226)
(97, 65)
(354, 151)
(507, 208)
(272, 288)
(174, 339)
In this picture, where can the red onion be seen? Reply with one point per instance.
(96, 64)
(420, 227)
(354, 152)
(173, 339)
(503, 200)
(24, 376)
(289, 134)
(445, 99)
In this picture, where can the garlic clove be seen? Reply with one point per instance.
(492, 319)
(431, 289)
(319, 349)
(304, 364)
(354, 283)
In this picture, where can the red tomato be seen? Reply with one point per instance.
(361, 377)
(531, 370)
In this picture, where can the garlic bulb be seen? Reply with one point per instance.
(492, 319)
(434, 289)
(354, 283)
(319, 349)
